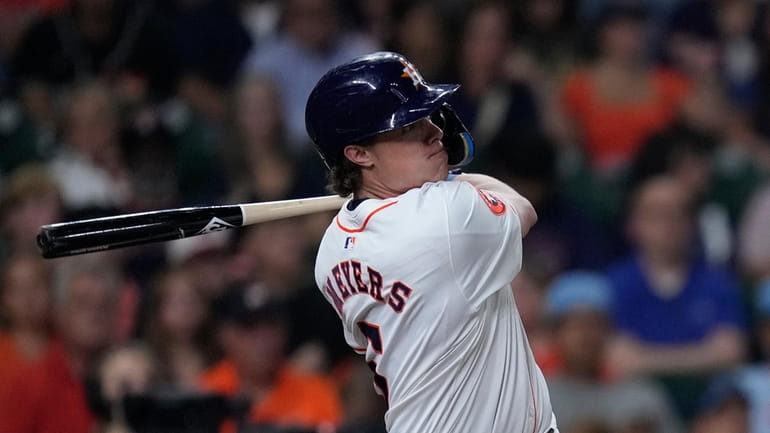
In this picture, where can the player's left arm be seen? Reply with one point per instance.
(522, 206)
(484, 240)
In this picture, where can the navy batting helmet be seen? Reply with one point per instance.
(376, 93)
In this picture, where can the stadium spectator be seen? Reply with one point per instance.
(621, 97)
(279, 268)
(719, 42)
(253, 332)
(680, 152)
(579, 305)
(529, 290)
(487, 100)
(544, 53)
(717, 152)
(261, 165)
(89, 166)
(723, 408)
(25, 314)
(687, 155)
(422, 38)
(762, 111)
(378, 19)
(24, 141)
(120, 41)
(50, 395)
(690, 43)
(313, 38)
(738, 23)
(206, 259)
(711, 153)
(754, 380)
(261, 18)
(212, 42)
(564, 237)
(178, 329)
(15, 16)
(547, 31)
(283, 271)
(30, 199)
(127, 369)
(675, 314)
(364, 411)
(754, 237)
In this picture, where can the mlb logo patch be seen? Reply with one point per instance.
(350, 242)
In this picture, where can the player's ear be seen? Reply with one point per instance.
(359, 155)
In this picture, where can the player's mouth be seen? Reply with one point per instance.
(441, 149)
(438, 152)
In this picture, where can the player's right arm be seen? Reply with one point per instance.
(522, 206)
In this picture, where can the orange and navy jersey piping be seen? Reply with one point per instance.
(366, 220)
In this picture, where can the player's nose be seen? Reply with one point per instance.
(433, 131)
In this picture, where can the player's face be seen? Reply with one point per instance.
(408, 157)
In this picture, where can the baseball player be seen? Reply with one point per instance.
(418, 263)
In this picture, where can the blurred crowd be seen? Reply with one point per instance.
(640, 131)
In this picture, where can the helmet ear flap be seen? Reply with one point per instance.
(457, 140)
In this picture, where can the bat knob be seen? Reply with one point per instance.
(45, 242)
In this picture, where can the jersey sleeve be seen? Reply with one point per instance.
(484, 234)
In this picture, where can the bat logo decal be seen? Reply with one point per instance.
(215, 225)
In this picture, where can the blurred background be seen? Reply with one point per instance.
(639, 130)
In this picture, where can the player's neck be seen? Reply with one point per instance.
(376, 191)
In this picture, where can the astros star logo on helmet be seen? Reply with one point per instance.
(411, 72)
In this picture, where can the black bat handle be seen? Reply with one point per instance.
(80, 237)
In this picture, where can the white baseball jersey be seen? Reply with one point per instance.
(421, 283)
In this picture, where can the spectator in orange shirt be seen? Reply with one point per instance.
(50, 396)
(25, 308)
(253, 328)
(620, 98)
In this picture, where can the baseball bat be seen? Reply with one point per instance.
(98, 234)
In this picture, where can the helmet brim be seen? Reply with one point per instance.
(433, 96)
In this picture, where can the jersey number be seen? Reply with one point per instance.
(372, 334)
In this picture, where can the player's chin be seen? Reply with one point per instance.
(441, 167)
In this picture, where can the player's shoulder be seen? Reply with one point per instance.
(444, 191)
(460, 198)
(430, 193)
(414, 209)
